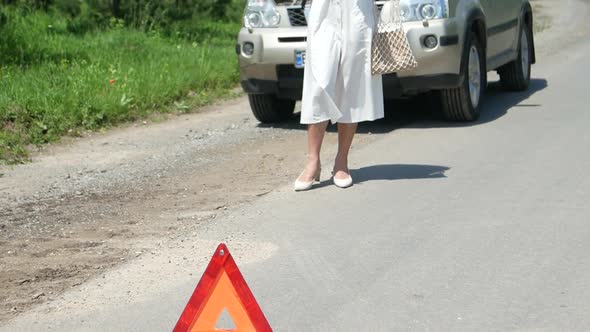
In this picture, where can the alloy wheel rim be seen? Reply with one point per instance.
(474, 76)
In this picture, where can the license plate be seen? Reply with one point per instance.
(299, 58)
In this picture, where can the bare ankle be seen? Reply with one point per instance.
(341, 163)
(313, 161)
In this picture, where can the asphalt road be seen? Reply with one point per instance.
(480, 227)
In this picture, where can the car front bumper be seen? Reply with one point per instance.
(394, 86)
(270, 69)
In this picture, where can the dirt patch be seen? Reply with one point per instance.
(51, 246)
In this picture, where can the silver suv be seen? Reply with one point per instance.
(456, 42)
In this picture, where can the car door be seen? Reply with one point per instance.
(502, 21)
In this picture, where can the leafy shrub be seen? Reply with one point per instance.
(89, 15)
(72, 8)
(3, 19)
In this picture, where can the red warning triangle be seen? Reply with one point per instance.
(222, 287)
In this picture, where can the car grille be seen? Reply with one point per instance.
(297, 16)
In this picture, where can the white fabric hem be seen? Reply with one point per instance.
(307, 122)
(314, 121)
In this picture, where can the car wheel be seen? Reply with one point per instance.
(268, 108)
(516, 75)
(462, 103)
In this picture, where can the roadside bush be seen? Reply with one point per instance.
(3, 19)
(71, 8)
(88, 15)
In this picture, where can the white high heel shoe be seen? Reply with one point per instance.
(342, 183)
(303, 186)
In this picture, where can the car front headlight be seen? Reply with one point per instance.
(418, 10)
(261, 14)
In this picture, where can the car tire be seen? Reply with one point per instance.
(516, 75)
(268, 108)
(462, 103)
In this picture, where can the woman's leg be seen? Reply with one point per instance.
(346, 133)
(315, 137)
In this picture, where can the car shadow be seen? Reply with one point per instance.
(394, 172)
(424, 111)
(497, 102)
(398, 114)
(381, 126)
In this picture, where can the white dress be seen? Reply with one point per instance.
(338, 84)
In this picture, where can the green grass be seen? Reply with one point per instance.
(54, 83)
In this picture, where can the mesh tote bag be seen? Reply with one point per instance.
(391, 50)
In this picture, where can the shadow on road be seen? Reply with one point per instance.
(425, 111)
(394, 172)
(395, 118)
(496, 103)
(398, 172)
